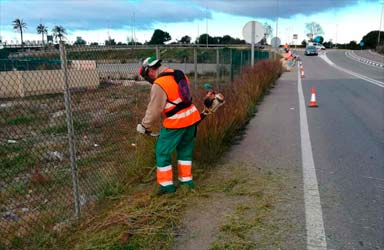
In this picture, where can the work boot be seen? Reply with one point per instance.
(166, 189)
(189, 184)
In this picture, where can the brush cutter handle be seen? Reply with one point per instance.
(142, 130)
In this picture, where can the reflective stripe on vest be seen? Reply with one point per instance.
(185, 117)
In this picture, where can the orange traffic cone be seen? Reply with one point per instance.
(302, 73)
(312, 103)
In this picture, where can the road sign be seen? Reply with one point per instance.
(275, 42)
(253, 32)
(361, 44)
(295, 36)
(318, 39)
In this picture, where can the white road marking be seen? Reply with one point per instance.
(353, 56)
(313, 214)
(373, 81)
(375, 53)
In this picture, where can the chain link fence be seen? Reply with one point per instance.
(67, 126)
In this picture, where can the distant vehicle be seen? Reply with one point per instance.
(319, 46)
(310, 50)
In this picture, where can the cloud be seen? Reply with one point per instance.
(101, 17)
(145, 14)
(96, 14)
(269, 9)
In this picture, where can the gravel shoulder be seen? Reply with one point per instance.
(254, 199)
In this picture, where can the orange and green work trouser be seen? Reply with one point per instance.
(183, 141)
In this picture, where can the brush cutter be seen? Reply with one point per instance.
(212, 102)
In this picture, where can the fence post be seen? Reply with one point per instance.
(20, 81)
(217, 67)
(157, 52)
(71, 135)
(195, 65)
(230, 65)
(241, 61)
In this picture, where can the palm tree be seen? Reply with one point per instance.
(41, 29)
(59, 32)
(20, 25)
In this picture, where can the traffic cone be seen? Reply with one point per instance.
(302, 72)
(313, 103)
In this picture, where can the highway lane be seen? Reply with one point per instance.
(340, 59)
(347, 137)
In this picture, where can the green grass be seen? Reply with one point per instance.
(21, 120)
(89, 161)
(40, 239)
(14, 164)
(18, 188)
(78, 127)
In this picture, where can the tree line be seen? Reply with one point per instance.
(58, 32)
(313, 30)
(159, 36)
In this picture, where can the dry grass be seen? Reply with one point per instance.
(126, 213)
(141, 220)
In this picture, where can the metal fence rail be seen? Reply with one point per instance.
(67, 126)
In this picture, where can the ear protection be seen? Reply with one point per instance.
(143, 71)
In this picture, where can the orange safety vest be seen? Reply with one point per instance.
(183, 118)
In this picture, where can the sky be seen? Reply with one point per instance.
(97, 20)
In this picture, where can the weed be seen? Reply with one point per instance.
(110, 189)
(12, 165)
(78, 126)
(142, 220)
(21, 120)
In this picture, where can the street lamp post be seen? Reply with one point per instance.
(381, 19)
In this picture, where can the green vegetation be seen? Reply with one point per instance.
(120, 171)
(22, 119)
(78, 126)
(15, 158)
(143, 221)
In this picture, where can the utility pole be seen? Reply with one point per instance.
(206, 23)
(277, 18)
(381, 19)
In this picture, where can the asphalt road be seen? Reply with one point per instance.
(347, 139)
(347, 135)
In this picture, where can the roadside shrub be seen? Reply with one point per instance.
(216, 132)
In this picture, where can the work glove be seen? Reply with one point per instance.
(143, 130)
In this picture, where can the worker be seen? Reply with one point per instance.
(179, 121)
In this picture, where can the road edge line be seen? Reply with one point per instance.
(316, 239)
(365, 78)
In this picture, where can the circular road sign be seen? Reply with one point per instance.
(253, 27)
(275, 42)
